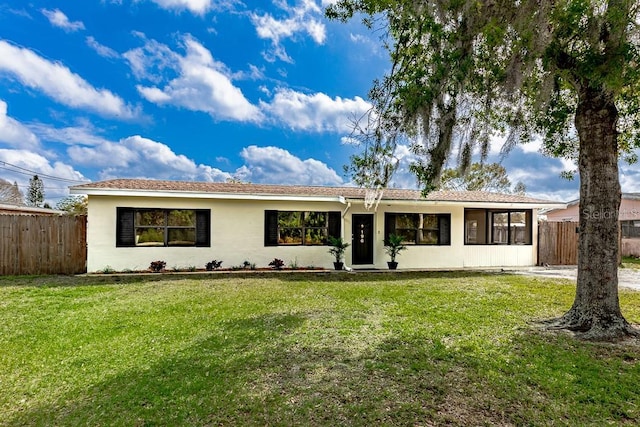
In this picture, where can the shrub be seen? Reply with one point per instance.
(157, 266)
(276, 263)
(108, 270)
(212, 265)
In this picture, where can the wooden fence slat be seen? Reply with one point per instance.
(557, 243)
(42, 244)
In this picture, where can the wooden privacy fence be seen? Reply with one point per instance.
(39, 244)
(557, 243)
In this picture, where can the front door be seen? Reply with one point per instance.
(362, 239)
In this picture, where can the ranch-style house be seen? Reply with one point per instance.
(132, 222)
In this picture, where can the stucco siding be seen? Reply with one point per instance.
(498, 256)
(237, 235)
(419, 256)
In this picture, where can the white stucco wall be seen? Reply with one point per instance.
(456, 255)
(237, 235)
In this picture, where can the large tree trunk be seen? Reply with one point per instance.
(595, 313)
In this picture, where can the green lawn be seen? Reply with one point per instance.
(333, 349)
(630, 262)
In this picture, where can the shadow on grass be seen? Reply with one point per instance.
(266, 370)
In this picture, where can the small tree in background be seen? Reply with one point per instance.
(480, 177)
(10, 193)
(35, 193)
(73, 205)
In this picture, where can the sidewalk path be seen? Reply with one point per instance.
(627, 277)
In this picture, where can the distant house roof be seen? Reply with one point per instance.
(624, 196)
(27, 210)
(143, 187)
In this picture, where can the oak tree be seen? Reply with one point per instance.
(465, 72)
(480, 177)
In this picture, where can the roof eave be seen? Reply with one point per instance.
(203, 195)
(470, 204)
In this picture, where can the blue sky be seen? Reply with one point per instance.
(262, 91)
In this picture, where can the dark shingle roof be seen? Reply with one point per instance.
(301, 191)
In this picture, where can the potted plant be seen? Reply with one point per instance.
(393, 246)
(338, 246)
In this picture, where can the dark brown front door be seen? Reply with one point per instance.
(362, 239)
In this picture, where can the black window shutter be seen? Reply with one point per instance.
(271, 228)
(335, 224)
(389, 225)
(125, 229)
(203, 228)
(444, 224)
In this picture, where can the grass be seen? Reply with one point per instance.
(630, 262)
(308, 350)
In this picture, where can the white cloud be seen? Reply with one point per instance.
(197, 7)
(59, 83)
(151, 61)
(497, 142)
(58, 19)
(37, 164)
(349, 140)
(403, 177)
(84, 134)
(317, 112)
(630, 180)
(367, 47)
(153, 94)
(303, 18)
(141, 157)
(14, 133)
(203, 84)
(278, 166)
(102, 50)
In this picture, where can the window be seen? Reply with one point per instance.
(499, 227)
(630, 229)
(307, 228)
(419, 228)
(163, 227)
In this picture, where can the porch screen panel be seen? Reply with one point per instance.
(498, 227)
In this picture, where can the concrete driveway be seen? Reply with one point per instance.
(627, 277)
